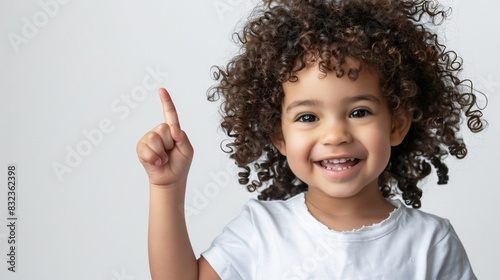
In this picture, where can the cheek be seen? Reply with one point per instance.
(298, 148)
(380, 145)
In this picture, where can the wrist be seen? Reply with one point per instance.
(175, 187)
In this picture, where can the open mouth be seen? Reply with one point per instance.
(338, 164)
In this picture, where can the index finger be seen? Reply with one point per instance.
(169, 111)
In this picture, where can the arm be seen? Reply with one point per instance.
(166, 155)
(170, 251)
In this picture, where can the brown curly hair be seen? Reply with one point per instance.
(416, 72)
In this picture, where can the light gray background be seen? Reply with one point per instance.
(75, 72)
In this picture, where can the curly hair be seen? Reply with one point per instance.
(416, 72)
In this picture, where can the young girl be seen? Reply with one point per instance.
(334, 108)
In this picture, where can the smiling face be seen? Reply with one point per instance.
(337, 133)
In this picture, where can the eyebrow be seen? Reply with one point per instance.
(307, 102)
(316, 103)
(364, 97)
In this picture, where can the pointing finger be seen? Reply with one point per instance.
(169, 111)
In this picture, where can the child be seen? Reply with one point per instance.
(333, 107)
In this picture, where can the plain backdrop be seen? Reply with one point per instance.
(78, 90)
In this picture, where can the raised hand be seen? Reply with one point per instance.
(165, 151)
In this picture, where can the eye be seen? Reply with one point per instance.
(359, 113)
(307, 118)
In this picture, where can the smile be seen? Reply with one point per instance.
(338, 164)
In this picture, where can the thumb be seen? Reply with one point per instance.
(182, 142)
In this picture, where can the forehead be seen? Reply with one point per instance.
(312, 80)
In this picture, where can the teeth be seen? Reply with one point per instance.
(337, 168)
(327, 162)
(337, 161)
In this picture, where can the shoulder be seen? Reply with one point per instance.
(424, 221)
(435, 237)
(257, 216)
(252, 236)
(274, 205)
(421, 228)
(257, 211)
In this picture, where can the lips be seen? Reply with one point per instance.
(338, 164)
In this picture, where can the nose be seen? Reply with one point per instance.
(335, 133)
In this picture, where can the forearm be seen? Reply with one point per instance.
(170, 253)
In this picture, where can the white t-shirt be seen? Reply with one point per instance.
(274, 240)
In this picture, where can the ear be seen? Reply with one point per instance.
(279, 142)
(401, 123)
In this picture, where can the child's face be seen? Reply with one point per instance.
(337, 133)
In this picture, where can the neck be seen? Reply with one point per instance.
(366, 208)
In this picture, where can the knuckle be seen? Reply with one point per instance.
(162, 129)
(139, 147)
(144, 153)
(153, 137)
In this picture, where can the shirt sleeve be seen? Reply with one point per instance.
(234, 253)
(448, 259)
